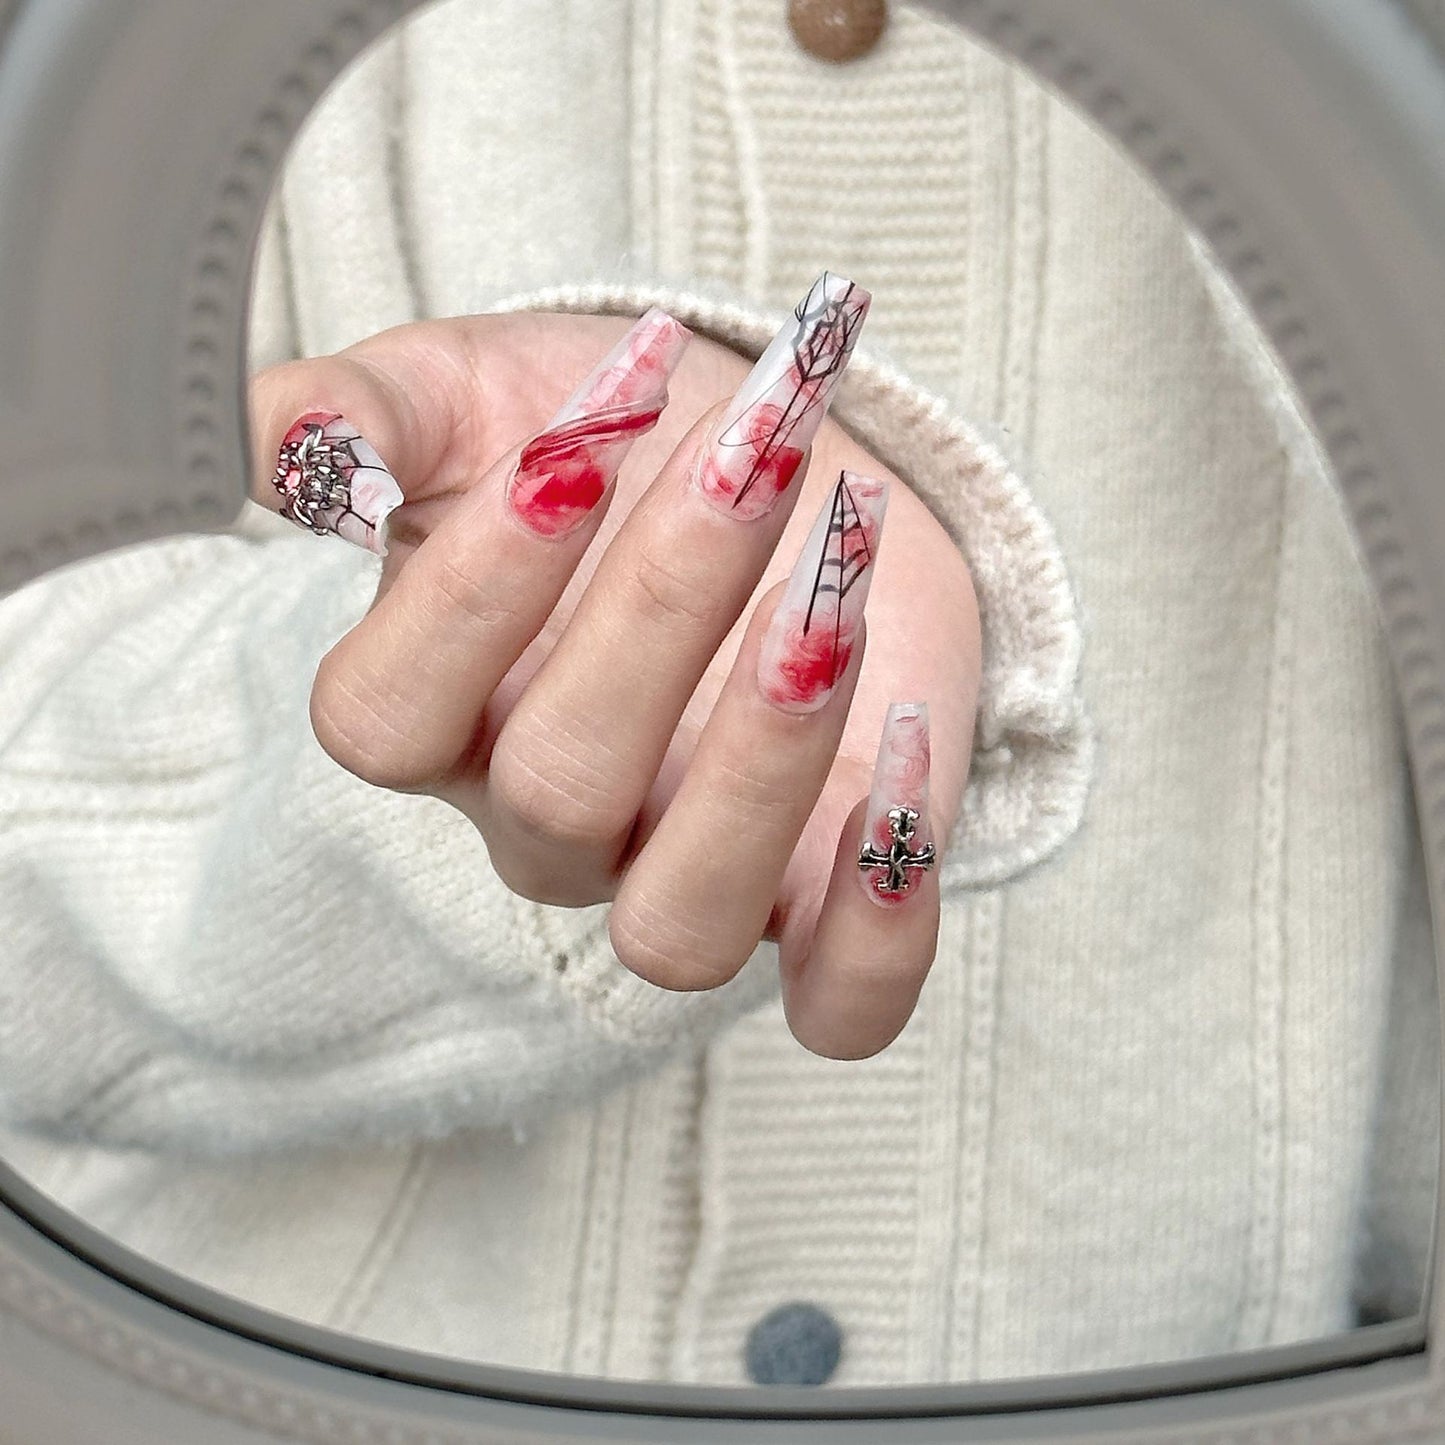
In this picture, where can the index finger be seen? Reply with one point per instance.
(399, 699)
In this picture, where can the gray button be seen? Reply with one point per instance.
(795, 1344)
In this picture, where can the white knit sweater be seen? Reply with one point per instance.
(1132, 1116)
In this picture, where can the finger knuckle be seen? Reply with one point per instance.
(758, 798)
(551, 803)
(659, 947)
(667, 591)
(354, 729)
(461, 593)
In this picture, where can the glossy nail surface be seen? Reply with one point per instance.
(897, 838)
(333, 481)
(765, 432)
(564, 470)
(812, 631)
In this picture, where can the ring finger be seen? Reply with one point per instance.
(696, 900)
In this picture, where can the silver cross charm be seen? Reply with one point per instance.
(901, 823)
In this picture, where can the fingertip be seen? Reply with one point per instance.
(392, 440)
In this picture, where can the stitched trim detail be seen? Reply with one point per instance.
(976, 1087)
(1262, 1261)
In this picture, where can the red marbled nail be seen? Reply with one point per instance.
(897, 837)
(564, 470)
(333, 481)
(762, 437)
(811, 633)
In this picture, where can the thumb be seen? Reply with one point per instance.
(339, 442)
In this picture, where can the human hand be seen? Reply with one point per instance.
(579, 674)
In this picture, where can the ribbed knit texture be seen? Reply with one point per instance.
(1131, 1116)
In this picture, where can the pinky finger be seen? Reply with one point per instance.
(877, 931)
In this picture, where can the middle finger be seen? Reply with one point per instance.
(581, 748)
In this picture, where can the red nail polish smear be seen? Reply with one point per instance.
(563, 472)
(815, 624)
(750, 465)
(766, 431)
(809, 665)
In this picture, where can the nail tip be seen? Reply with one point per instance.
(901, 780)
(836, 282)
(900, 710)
(864, 483)
(620, 378)
(663, 322)
(869, 496)
(775, 414)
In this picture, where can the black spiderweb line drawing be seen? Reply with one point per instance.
(326, 465)
(843, 520)
(822, 342)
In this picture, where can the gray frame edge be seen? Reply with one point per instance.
(1217, 102)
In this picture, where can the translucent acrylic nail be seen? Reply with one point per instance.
(564, 470)
(762, 437)
(812, 632)
(897, 836)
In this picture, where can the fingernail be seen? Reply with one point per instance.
(762, 437)
(333, 481)
(564, 470)
(897, 844)
(811, 633)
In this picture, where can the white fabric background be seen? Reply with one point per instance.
(1132, 1117)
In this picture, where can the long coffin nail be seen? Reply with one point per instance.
(564, 470)
(896, 833)
(811, 633)
(333, 481)
(762, 437)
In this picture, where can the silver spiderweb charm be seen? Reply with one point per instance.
(309, 477)
(331, 480)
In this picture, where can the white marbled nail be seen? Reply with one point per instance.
(812, 631)
(763, 436)
(896, 846)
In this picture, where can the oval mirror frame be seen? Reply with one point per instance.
(1304, 140)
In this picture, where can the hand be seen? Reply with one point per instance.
(573, 662)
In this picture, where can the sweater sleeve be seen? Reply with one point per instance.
(221, 941)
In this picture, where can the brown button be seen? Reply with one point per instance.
(838, 30)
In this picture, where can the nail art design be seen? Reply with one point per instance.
(811, 633)
(333, 481)
(896, 832)
(777, 411)
(564, 470)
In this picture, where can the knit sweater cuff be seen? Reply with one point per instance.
(1033, 746)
